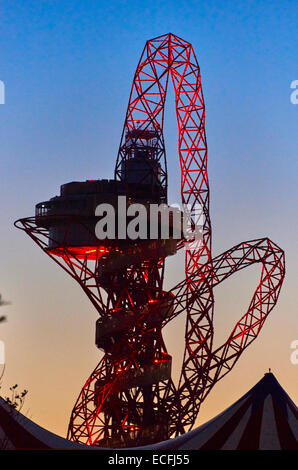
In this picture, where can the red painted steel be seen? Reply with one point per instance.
(130, 398)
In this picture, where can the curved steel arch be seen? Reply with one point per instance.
(176, 406)
(162, 57)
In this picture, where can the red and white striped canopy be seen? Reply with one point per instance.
(264, 418)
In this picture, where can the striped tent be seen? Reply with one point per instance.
(264, 418)
(19, 432)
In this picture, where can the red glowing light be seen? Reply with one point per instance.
(79, 252)
(202, 365)
(158, 361)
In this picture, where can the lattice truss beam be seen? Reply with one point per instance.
(176, 406)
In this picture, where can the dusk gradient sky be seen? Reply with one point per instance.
(68, 67)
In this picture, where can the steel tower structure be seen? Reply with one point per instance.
(130, 398)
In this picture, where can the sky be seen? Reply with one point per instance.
(68, 67)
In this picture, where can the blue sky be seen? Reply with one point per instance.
(68, 68)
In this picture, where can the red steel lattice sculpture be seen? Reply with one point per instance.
(130, 398)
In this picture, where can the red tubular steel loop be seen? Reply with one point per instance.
(177, 406)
